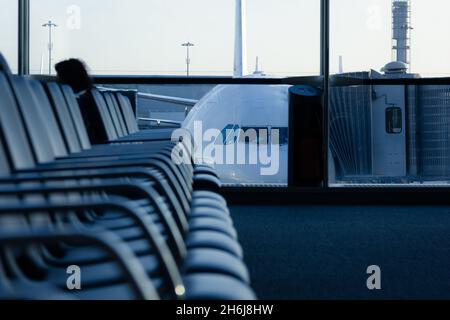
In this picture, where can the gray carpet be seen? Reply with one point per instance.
(322, 252)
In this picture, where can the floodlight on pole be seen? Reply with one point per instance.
(50, 25)
(188, 45)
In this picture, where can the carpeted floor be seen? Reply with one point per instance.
(322, 252)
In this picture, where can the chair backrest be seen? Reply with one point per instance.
(64, 117)
(5, 168)
(113, 114)
(77, 117)
(15, 141)
(127, 112)
(96, 100)
(119, 114)
(51, 123)
(4, 65)
(15, 138)
(14, 145)
(33, 120)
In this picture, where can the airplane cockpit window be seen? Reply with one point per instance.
(264, 135)
(229, 134)
(254, 135)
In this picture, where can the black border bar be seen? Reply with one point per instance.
(337, 196)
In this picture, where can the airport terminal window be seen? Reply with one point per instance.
(385, 130)
(394, 123)
(9, 32)
(146, 37)
(153, 37)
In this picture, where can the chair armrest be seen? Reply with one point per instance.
(77, 165)
(152, 163)
(130, 188)
(76, 174)
(107, 241)
(94, 203)
(136, 173)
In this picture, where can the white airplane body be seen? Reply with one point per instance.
(241, 108)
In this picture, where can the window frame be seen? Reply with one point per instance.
(323, 81)
(24, 37)
(394, 119)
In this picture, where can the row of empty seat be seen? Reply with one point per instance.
(81, 188)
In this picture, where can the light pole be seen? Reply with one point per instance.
(188, 45)
(50, 25)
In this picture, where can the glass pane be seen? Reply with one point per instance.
(368, 34)
(381, 132)
(9, 14)
(152, 37)
(370, 145)
(241, 130)
(145, 37)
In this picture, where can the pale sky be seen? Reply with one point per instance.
(144, 36)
